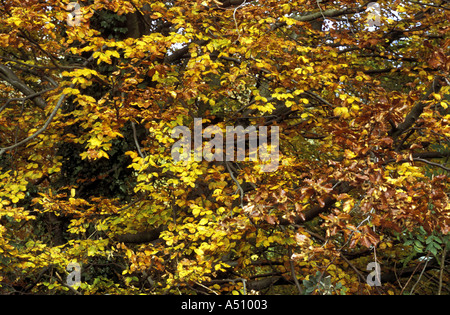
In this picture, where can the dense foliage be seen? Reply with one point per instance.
(88, 102)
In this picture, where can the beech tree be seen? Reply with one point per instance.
(90, 93)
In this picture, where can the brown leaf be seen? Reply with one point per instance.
(321, 202)
(271, 219)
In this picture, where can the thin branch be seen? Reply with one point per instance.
(318, 97)
(49, 120)
(432, 163)
(420, 276)
(293, 275)
(234, 18)
(421, 155)
(41, 130)
(136, 142)
(428, 4)
(61, 281)
(441, 271)
(237, 184)
(413, 273)
(9, 76)
(360, 275)
(178, 54)
(417, 109)
(53, 59)
(270, 99)
(141, 237)
(322, 14)
(205, 287)
(22, 99)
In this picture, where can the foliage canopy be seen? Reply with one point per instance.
(85, 148)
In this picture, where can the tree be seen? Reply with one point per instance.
(87, 176)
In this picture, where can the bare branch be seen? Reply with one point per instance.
(237, 184)
(9, 76)
(429, 4)
(323, 14)
(136, 142)
(417, 110)
(22, 99)
(432, 163)
(293, 275)
(141, 237)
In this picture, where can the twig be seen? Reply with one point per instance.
(9, 76)
(23, 99)
(294, 276)
(320, 8)
(237, 184)
(326, 14)
(234, 18)
(203, 286)
(136, 142)
(270, 99)
(66, 285)
(318, 97)
(441, 272)
(360, 275)
(429, 4)
(432, 163)
(413, 273)
(420, 276)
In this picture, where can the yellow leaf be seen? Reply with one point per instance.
(290, 21)
(289, 103)
(95, 142)
(112, 53)
(199, 251)
(341, 111)
(437, 97)
(71, 91)
(196, 211)
(355, 108)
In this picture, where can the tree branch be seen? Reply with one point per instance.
(392, 276)
(136, 142)
(310, 214)
(49, 119)
(293, 275)
(432, 163)
(141, 237)
(23, 99)
(422, 155)
(41, 130)
(417, 110)
(322, 14)
(178, 54)
(9, 76)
